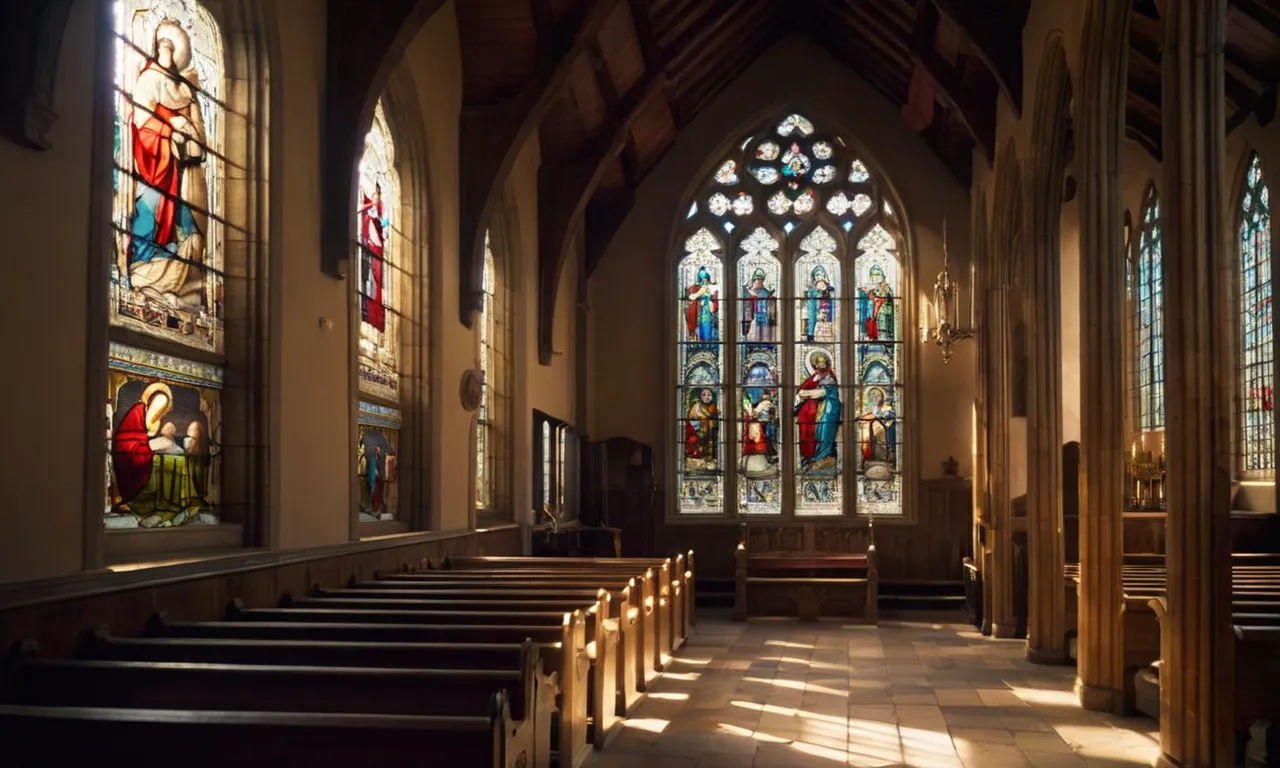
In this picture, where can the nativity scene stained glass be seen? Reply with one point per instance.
(167, 181)
(164, 420)
(1257, 359)
(807, 376)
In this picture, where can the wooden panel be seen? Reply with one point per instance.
(57, 624)
(621, 49)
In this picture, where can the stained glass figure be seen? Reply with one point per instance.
(377, 444)
(718, 204)
(166, 277)
(379, 278)
(1257, 363)
(546, 465)
(1150, 316)
(728, 173)
(877, 348)
(732, 437)
(861, 204)
(779, 203)
(767, 151)
(858, 172)
(759, 272)
(165, 417)
(701, 376)
(766, 174)
(795, 163)
(838, 204)
(805, 202)
(795, 124)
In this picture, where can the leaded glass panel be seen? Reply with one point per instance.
(1257, 367)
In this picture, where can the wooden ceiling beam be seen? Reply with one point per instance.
(889, 39)
(997, 41)
(709, 55)
(1267, 18)
(918, 110)
(491, 135)
(713, 37)
(692, 30)
(1145, 131)
(977, 116)
(705, 88)
(563, 193)
(605, 214)
(643, 23)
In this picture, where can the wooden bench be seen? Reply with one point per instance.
(62, 736)
(642, 624)
(784, 570)
(563, 651)
(35, 682)
(601, 694)
(631, 672)
(525, 656)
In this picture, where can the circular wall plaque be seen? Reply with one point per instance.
(471, 390)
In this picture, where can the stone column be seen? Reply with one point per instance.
(1100, 634)
(999, 529)
(1197, 678)
(1045, 627)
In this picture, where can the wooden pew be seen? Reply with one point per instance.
(35, 682)
(643, 626)
(797, 579)
(630, 669)
(62, 736)
(675, 575)
(602, 645)
(522, 656)
(665, 589)
(563, 650)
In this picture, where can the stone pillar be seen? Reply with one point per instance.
(1100, 635)
(1046, 642)
(999, 517)
(1197, 678)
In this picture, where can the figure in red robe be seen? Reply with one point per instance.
(131, 452)
(372, 254)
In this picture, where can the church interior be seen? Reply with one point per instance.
(770, 383)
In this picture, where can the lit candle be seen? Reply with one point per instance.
(1135, 450)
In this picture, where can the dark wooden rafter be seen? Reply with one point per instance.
(31, 34)
(708, 48)
(565, 190)
(997, 40)
(751, 37)
(360, 55)
(1266, 17)
(918, 109)
(491, 136)
(979, 118)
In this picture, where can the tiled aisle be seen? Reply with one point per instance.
(783, 694)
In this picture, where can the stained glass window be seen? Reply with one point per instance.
(379, 277)
(813, 287)
(377, 449)
(1257, 368)
(167, 211)
(546, 465)
(164, 413)
(560, 477)
(1150, 324)
(493, 367)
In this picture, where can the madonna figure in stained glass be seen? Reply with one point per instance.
(160, 478)
(759, 310)
(875, 306)
(821, 309)
(700, 431)
(817, 412)
(704, 304)
(170, 219)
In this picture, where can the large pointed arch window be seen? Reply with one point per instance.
(166, 358)
(381, 281)
(491, 438)
(1150, 320)
(1257, 422)
(788, 343)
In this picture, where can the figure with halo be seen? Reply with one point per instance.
(157, 478)
(169, 222)
(817, 411)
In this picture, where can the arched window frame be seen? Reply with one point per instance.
(494, 359)
(1149, 316)
(723, 249)
(1255, 330)
(235, 146)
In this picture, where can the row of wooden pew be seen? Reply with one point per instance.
(1255, 587)
(503, 662)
